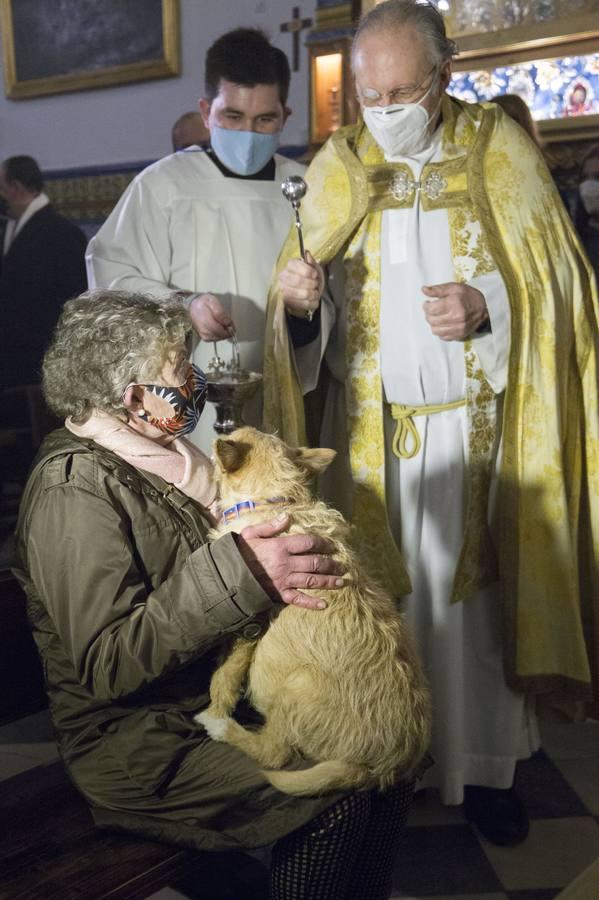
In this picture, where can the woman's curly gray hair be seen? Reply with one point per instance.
(104, 340)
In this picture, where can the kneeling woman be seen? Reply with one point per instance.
(129, 604)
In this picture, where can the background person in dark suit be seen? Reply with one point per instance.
(42, 266)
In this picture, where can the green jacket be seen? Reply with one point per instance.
(129, 605)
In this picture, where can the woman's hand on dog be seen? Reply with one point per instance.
(287, 564)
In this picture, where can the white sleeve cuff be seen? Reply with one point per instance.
(308, 358)
(493, 347)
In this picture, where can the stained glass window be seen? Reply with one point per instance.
(552, 88)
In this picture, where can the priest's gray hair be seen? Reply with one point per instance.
(104, 341)
(424, 16)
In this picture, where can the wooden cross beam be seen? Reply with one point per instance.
(295, 27)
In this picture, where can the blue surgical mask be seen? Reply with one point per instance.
(243, 152)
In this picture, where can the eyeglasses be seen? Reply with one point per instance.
(406, 94)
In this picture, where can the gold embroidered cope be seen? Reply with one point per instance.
(504, 213)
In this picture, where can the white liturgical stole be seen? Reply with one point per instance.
(417, 367)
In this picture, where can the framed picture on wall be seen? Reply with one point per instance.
(72, 45)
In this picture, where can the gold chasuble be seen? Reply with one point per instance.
(504, 213)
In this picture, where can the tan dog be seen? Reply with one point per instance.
(342, 686)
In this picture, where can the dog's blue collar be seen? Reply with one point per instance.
(248, 506)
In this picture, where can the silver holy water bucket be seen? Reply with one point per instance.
(228, 388)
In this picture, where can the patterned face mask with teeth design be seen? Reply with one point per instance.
(187, 402)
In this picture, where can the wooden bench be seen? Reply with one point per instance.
(51, 848)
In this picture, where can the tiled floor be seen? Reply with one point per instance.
(442, 856)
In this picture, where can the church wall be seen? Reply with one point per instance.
(132, 122)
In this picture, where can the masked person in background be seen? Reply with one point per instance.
(586, 213)
(458, 322)
(209, 223)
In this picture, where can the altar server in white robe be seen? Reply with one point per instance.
(209, 224)
(416, 314)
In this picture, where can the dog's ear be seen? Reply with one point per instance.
(315, 459)
(231, 454)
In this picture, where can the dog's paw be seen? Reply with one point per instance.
(216, 728)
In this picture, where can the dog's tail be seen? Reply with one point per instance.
(332, 775)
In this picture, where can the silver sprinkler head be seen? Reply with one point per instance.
(294, 188)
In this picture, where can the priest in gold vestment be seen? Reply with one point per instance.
(455, 341)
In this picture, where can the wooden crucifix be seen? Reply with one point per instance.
(296, 26)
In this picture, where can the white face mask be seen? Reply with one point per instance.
(402, 129)
(589, 194)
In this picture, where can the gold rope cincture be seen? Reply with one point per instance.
(405, 425)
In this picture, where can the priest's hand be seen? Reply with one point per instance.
(287, 564)
(302, 283)
(209, 318)
(455, 311)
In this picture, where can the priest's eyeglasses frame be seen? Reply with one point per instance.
(406, 94)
